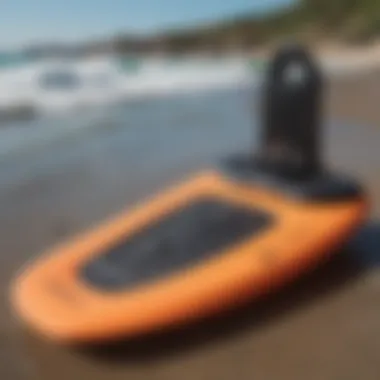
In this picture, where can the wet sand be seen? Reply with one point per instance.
(324, 326)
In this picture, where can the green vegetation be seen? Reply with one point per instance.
(355, 21)
(350, 20)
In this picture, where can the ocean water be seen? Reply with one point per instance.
(52, 86)
(191, 127)
(46, 101)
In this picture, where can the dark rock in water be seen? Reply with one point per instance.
(22, 112)
(60, 79)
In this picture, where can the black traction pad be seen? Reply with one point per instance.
(185, 237)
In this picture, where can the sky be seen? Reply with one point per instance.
(35, 21)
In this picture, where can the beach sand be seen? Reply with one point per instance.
(324, 326)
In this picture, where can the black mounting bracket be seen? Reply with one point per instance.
(290, 155)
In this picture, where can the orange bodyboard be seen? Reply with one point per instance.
(52, 299)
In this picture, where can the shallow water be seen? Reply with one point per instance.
(326, 325)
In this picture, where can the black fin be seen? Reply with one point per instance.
(291, 143)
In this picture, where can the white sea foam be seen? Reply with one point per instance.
(54, 86)
(56, 89)
(58, 86)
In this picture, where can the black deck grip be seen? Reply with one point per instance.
(187, 236)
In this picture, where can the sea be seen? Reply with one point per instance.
(49, 100)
